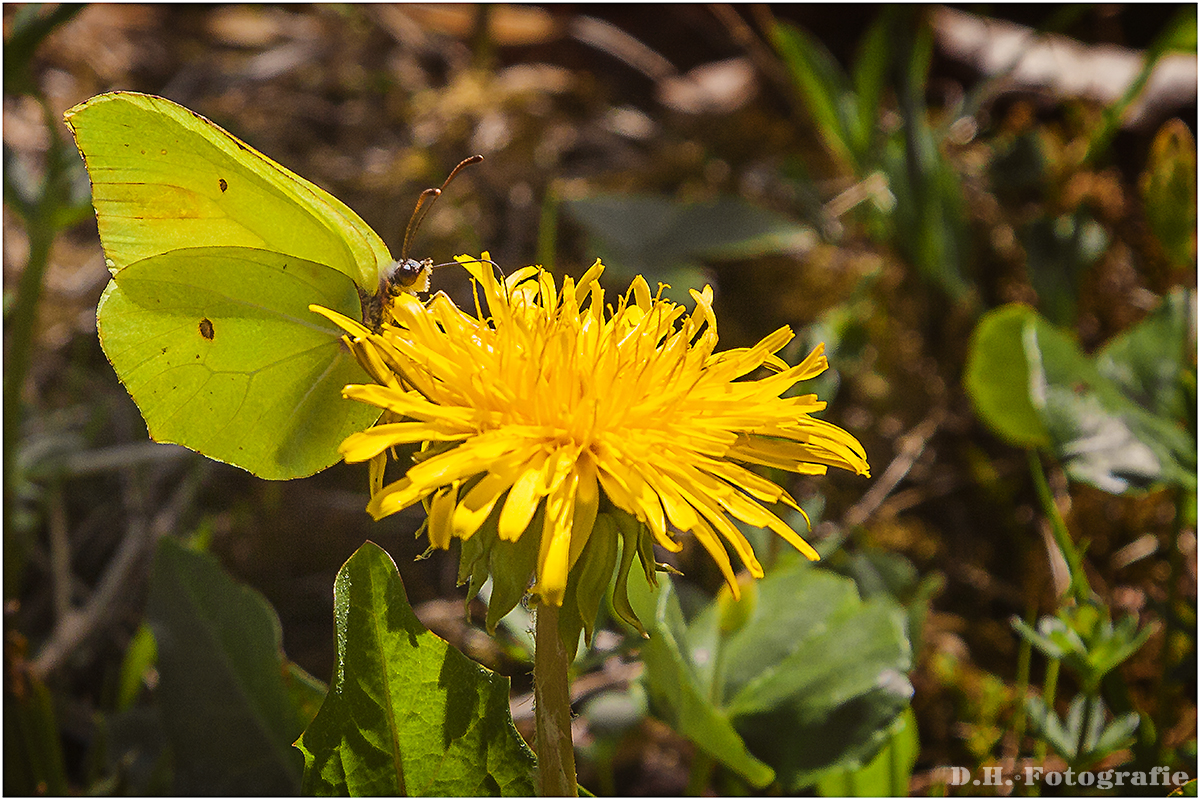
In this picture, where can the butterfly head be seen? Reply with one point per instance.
(407, 275)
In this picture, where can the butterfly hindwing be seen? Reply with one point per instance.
(243, 375)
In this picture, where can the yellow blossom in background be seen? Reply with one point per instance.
(548, 406)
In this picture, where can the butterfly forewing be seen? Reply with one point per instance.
(164, 178)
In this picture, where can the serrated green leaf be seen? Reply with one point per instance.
(224, 706)
(406, 712)
(241, 373)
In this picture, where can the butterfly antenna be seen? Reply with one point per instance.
(425, 202)
(495, 267)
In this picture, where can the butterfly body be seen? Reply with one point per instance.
(408, 275)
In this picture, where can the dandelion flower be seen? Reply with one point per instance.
(554, 424)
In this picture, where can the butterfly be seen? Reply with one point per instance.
(215, 253)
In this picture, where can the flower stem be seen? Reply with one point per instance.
(552, 708)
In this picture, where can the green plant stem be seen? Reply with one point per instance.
(1049, 690)
(552, 708)
(1024, 659)
(1079, 590)
(1089, 705)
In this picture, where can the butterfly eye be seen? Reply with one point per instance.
(407, 275)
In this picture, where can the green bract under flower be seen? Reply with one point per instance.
(556, 424)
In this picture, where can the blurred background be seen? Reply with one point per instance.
(878, 178)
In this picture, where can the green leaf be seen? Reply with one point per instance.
(1102, 437)
(137, 756)
(1045, 724)
(221, 692)
(1053, 647)
(675, 692)
(870, 72)
(817, 690)
(667, 241)
(1147, 361)
(407, 713)
(930, 213)
(33, 755)
(1031, 384)
(930, 217)
(811, 683)
(140, 655)
(997, 377)
(1168, 188)
(220, 352)
(1117, 735)
(305, 691)
(1083, 738)
(794, 604)
(822, 86)
(887, 774)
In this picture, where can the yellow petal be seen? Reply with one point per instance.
(553, 558)
(473, 510)
(367, 444)
(522, 501)
(440, 513)
(394, 497)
